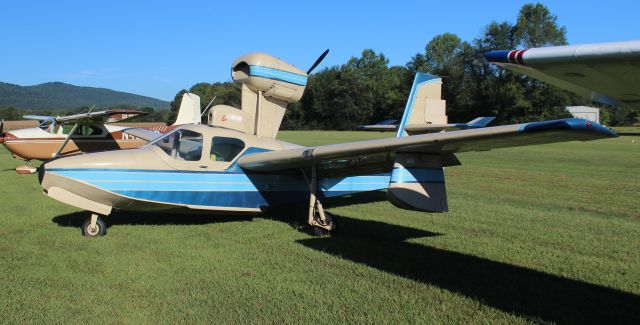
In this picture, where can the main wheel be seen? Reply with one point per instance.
(100, 228)
(320, 232)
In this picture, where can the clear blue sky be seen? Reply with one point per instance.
(156, 48)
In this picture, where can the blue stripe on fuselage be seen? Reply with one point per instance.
(232, 189)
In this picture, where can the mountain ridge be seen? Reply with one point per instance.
(60, 95)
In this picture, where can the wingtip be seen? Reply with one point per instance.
(497, 56)
(576, 124)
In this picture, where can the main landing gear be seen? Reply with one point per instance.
(94, 226)
(320, 221)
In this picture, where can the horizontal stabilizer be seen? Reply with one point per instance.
(480, 122)
(386, 125)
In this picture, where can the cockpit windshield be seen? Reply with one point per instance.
(181, 145)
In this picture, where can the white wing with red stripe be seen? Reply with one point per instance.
(608, 73)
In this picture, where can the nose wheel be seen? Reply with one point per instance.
(94, 226)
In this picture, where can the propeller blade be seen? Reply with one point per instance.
(1, 126)
(320, 58)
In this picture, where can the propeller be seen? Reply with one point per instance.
(1, 133)
(320, 58)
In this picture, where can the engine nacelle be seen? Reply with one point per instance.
(274, 77)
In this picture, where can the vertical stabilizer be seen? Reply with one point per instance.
(425, 104)
(189, 112)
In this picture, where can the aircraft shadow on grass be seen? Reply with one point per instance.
(514, 289)
(150, 218)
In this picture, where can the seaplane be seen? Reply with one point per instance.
(87, 132)
(234, 165)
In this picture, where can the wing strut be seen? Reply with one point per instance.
(75, 126)
(318, 219)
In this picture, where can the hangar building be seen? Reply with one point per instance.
(585, 112)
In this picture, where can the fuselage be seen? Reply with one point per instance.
(191, 169)
(42, 143)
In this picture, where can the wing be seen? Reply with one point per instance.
(38, 117)
(143, 134)
(608, 73)
(378, 155)
(95, 117)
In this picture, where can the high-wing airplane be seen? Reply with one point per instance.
(88, 132)
(234, 164)
(392, 125)
(607, 73)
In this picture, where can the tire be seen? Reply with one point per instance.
(99, 230)
(319, 232)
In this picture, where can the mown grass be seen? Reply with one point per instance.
(537, 234)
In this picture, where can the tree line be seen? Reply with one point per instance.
(367, 89)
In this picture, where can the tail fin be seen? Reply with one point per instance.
(425, 104)
(480, 122)
(189, 112)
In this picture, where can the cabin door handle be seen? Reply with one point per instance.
(203, 166)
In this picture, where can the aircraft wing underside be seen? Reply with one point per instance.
(608, 73)
(378, 155)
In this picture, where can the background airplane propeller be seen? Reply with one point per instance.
(1, 131)
(320, 58)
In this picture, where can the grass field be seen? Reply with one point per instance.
(536, 234)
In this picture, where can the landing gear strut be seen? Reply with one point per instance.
(94, 226)
(318, 219)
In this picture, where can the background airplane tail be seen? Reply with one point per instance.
(189, 112)
(425, 104)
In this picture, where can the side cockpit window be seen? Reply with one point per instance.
(182, 145)
(225, 149)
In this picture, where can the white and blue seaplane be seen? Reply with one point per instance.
(234, 164)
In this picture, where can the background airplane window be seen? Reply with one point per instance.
(82, 130)
(225, 149)
(88, 130)
(182, 145)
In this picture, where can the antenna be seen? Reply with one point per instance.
(209, 105)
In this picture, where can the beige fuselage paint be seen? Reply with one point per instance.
(147, 157)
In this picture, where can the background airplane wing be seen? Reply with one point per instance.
(378, 155)
(112, 115)
(608, 73)
(38, 117)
